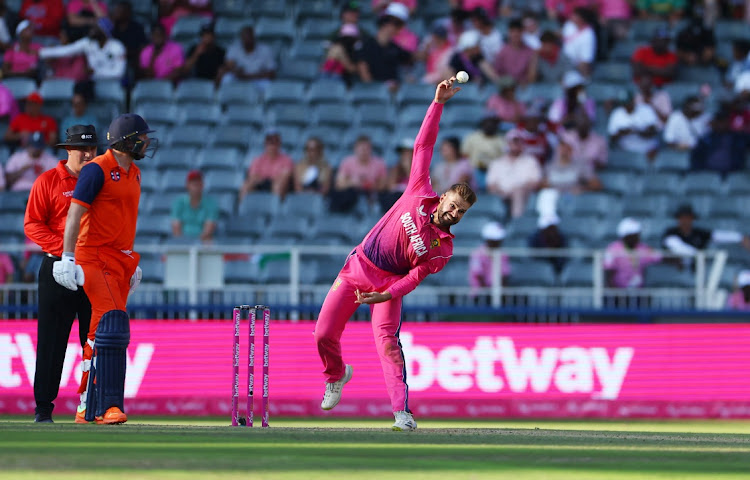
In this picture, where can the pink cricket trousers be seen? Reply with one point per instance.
(340, 303)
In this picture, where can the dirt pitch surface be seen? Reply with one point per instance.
(151, 451)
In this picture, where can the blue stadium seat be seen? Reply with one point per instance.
(174, 181)
(241, 227)
(161, 203)
(170, 158)
(297, 115)
(222, 181)
(731, 206)
(487, 206)
(533, 91)
(284, 227)
(341, 115)
(241, 272)
(462, 116)
(728, 30)
(612, 72)
(699, 75)
(265, 203)
(668, 276)
(410, 94)
(284, 91)
(234, 136)
(13, 202)
(535, 273)
(299, 70)
(110, 91)
(195, 90)
(702, 182)
(303, 205)
(245, 115)
(238, 93)
(274, 30)
(311, 50)
(56, 90)
(370, 94)
(189, 136)
(662, 183)
(601, 92)
(620, 183)
(469, 227)
(621, 160)
(159, 225)
(316, 29)
(21, 87)
(738, 183)
(327, 91)
(187, 28)
(411, 116)
(337, 226)
(669, 160)
(150, 183)
(379, 115)
(158, 113)
(593, 204)
(679, 91)
(228, 10)
(199, 114)
(218, 158)
(640, 206)
(150, 90)
(153, 270)
(330, 136)
(577, 274)
(522, 227)
(267, 8)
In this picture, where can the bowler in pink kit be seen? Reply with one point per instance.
(411, 241)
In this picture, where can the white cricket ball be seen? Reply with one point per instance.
(462, 77)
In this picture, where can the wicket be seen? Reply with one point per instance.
(237, 315)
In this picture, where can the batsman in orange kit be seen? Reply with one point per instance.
(98, 255)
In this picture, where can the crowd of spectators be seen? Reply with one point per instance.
(521, 144)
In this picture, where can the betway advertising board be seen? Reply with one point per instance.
(470, 370)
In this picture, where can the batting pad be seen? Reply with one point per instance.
(107, 375)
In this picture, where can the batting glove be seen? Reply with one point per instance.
(135, 280)
(67, 273)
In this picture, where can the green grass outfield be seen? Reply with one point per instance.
(366, 449)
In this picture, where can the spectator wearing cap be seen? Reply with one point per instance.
(551, 63)
(515, 59)
(339, 59)
(685, 126)
(380, 6)
(247, 60)
(634, 127)
(696, 42)
(194, 215)
(590, 148)
(105, 55)
(740, 298)
(362, 173)
(480, 261)
(378, 58)
(129, 32)
(626, 259)
(686, 240)
(579, 40)
(79, 114)
(81, 15)
(515, 175)
(398, 174)
(655, 59)
(482, 146)
(313, 173)
(574, 101)
(46, 16)
(349, 15)
(490, 40)
(549, 236)
(504, 104)
(205, 58)
(404, 38)
(568, 174)
(468, 57)
(22, 58)
(721, 149)
(163, 59)
(25, 165)
(657, 98)
(660, 9)
(31, 120)
(435, 52)
(271, 170)
(451, 168)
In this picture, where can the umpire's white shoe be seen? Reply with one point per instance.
(404, 422)
(333, 390)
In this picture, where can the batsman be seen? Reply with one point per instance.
(98, 255)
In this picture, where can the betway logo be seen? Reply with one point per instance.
(569, 369)
(411, 231)
(21, 346)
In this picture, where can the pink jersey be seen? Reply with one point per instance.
(629, 265)
(737, 301)
(405, 241)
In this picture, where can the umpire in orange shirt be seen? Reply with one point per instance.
(100, 233)
(44, 224)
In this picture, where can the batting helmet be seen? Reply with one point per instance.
(123, 134)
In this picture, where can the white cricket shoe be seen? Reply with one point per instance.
(333, 390)
(404, 422)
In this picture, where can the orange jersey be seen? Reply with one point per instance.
(111, 196)
(47, 209)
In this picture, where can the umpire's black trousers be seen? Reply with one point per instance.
(58, 307)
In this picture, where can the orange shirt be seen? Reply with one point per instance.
(49, 200)
(111, 195)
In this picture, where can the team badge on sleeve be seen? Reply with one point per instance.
(435, 243)
(115, 175)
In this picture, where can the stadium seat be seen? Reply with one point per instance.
(20, 87)
(680, 90)
(56, 90)
(533, 91)
(187, 28)
(238, 93)
(174, 181)
(312, 50)
(274, 30)
(339, 227)
(640, 206)
(702, 182)
(601, 92)
(112, 92)
(169, 158)
(533, 273)
(370, 94)
(284, 91)
(161, 203)
(621, 160)
(620, 183)
(522, 227)
(217, 158)
(150, 183)
(644, 29)
(195, 91)
(489, 207)
(662, 183)
(254, 203)
(341, 115)
(285, 227)
(378, 115)
(13, 202)
(226, 10)
(593, 204)
(738, 183)
(612, 72)
(153, 270)
(327, 91)
(189, 136)
(199, 114)
(316, 29)
(241, 272)
(669, 160)
(414, 94)
(728, 30)
(577, 274)
(158, 113)
(410, 117)
(462, 116)
(299, 70)
(668, 276)
(222, 181)
(245, 116)
(234, 136)
(158, 225)
(150, 90)
(731, 206)
(297, 115)
(699, 75)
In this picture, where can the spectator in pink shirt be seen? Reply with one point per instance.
(8, 104)
(172, 10)
(271, 171)
(504, 104)
(589, 147)
(515, 58)
(7, 270)
(163, 58)
(22, 58)
(490, 6)
(480, 261)
(82, 15)
(740, 298)
(74, 68)
(573, 102)
(361, 173)
(405, 38)
(615, 15)
(435, 51)
(24, 166)
(515, 175)
(626, 259)
(452, 168)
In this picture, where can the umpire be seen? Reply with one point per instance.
(44, 224)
